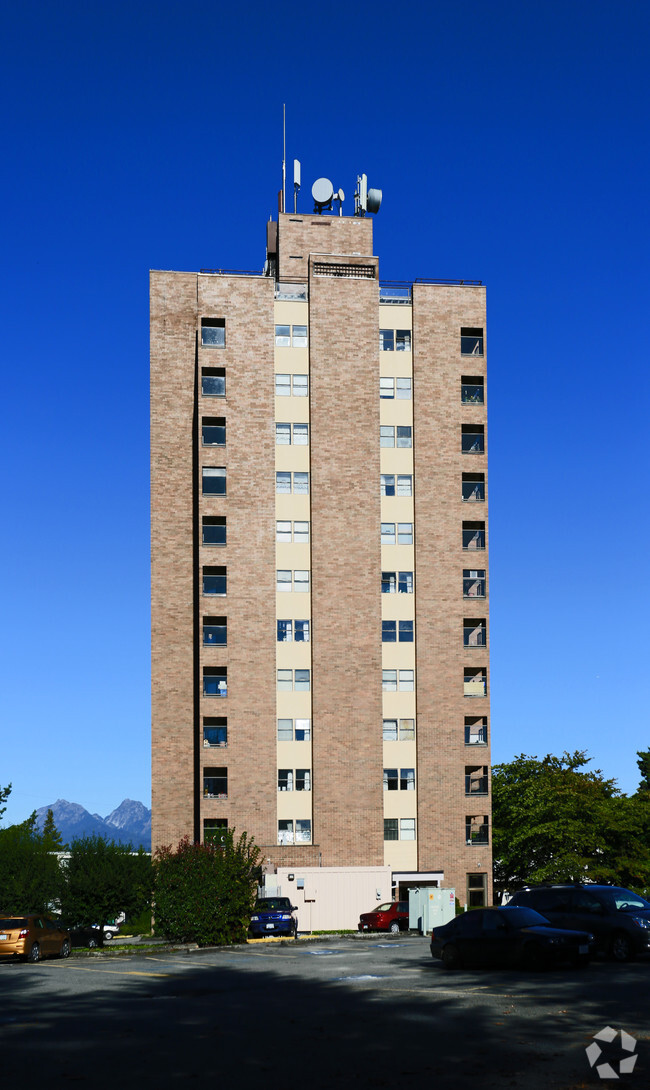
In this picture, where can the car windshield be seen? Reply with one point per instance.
(623, 900)
(273, 904)
(8, 925)
(524, 917)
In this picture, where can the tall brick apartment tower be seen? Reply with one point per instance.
(319, 560)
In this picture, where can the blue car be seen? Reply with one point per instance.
(274, 916)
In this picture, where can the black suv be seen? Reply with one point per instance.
(618, 918)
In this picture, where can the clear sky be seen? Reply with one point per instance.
(510, 140)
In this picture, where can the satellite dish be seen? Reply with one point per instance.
(340, 196)
(374, 200)
(322, 191)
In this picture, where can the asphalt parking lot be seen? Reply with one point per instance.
(364, 1012)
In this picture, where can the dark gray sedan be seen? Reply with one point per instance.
(508, 936)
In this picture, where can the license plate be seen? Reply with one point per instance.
(583, 949)
(270, 926)
(3, 937)
(365, 927)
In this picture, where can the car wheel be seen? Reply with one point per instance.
(532, 957)
(64, 952)
(35, 953)
(620, 948)
(92, 943)
(107, 936)
(450, 956)
(394, 927)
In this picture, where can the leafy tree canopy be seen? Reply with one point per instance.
(643, 764)
(51, 835)
(4, 795)
(101, 879)
(29, 873)
(554, 821)
(205, 893)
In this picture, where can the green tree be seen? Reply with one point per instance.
(553, 821)
(4, 795)
(205, 893)
(51, 836)
(102, 878)
(643, 764)
(29, 873)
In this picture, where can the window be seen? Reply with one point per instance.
(214, 481)
(407, 730)
(391, 339)
(472, 390)
(389, 733)
(405, 582)
(475, 730)
(285, 831)
(213, 431)
(284, 432)
(286, 730)
(476, 829)
(404, 485)
(391, 678)
(473, 487)
(214, 581)
(472, 438)
(405, 631)
(291, 385)
(283, 336)
(476, 890)
(213, 530)
(287, 336)
(213, 332)
(407, 779)
(407, 828)
(391, 782)
(213, 381)
(403, 340)
(404, 436)
(301, 580)
(388, 484)
(287, 482)
(302, 631)
(403, 389)
(215, 783)
(214, 631)
(476, 780)
(287, 531)
(474, 632)
(404, 533)
(287, 682)
(389, 632)
(388, 533)
(214, 830)
(386, 387)
(391, 829)
(215, 731)
(303, 779)
(285, 629)
(215, 681)
(471, 341)
(283, 385)
(388, 582)
(303, 831)
(475, 681)
(473, 535)
(386, 435)
(300, 386)
(473, 582)
(386, 340)
(284, 581)
(285, 779)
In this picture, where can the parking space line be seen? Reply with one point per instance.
(115, 972)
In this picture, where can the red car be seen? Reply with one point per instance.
(392, 916)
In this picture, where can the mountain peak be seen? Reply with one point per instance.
(129, 823)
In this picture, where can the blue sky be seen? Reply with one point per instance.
(510, 140)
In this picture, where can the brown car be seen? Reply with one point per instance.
(32, 937)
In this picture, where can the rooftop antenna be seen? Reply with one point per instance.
(366, 200)
(284, 155)
(296, 183)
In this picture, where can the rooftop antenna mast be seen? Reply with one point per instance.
(284, 155)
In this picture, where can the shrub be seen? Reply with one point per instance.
(205, 893)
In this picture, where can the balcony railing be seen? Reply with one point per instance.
(474, 685)
(476, 785)
(473, 442)
(476, 736)
(477, 835)
(474, 587)
(474, 635)
(473, 491)
(471, 395)
(215, 788)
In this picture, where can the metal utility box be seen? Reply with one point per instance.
(430, 907)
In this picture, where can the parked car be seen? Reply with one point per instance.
(391, 916)
(274, 916)
(508, 936)
(84, 935)
(32, 937)
(619, 919)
